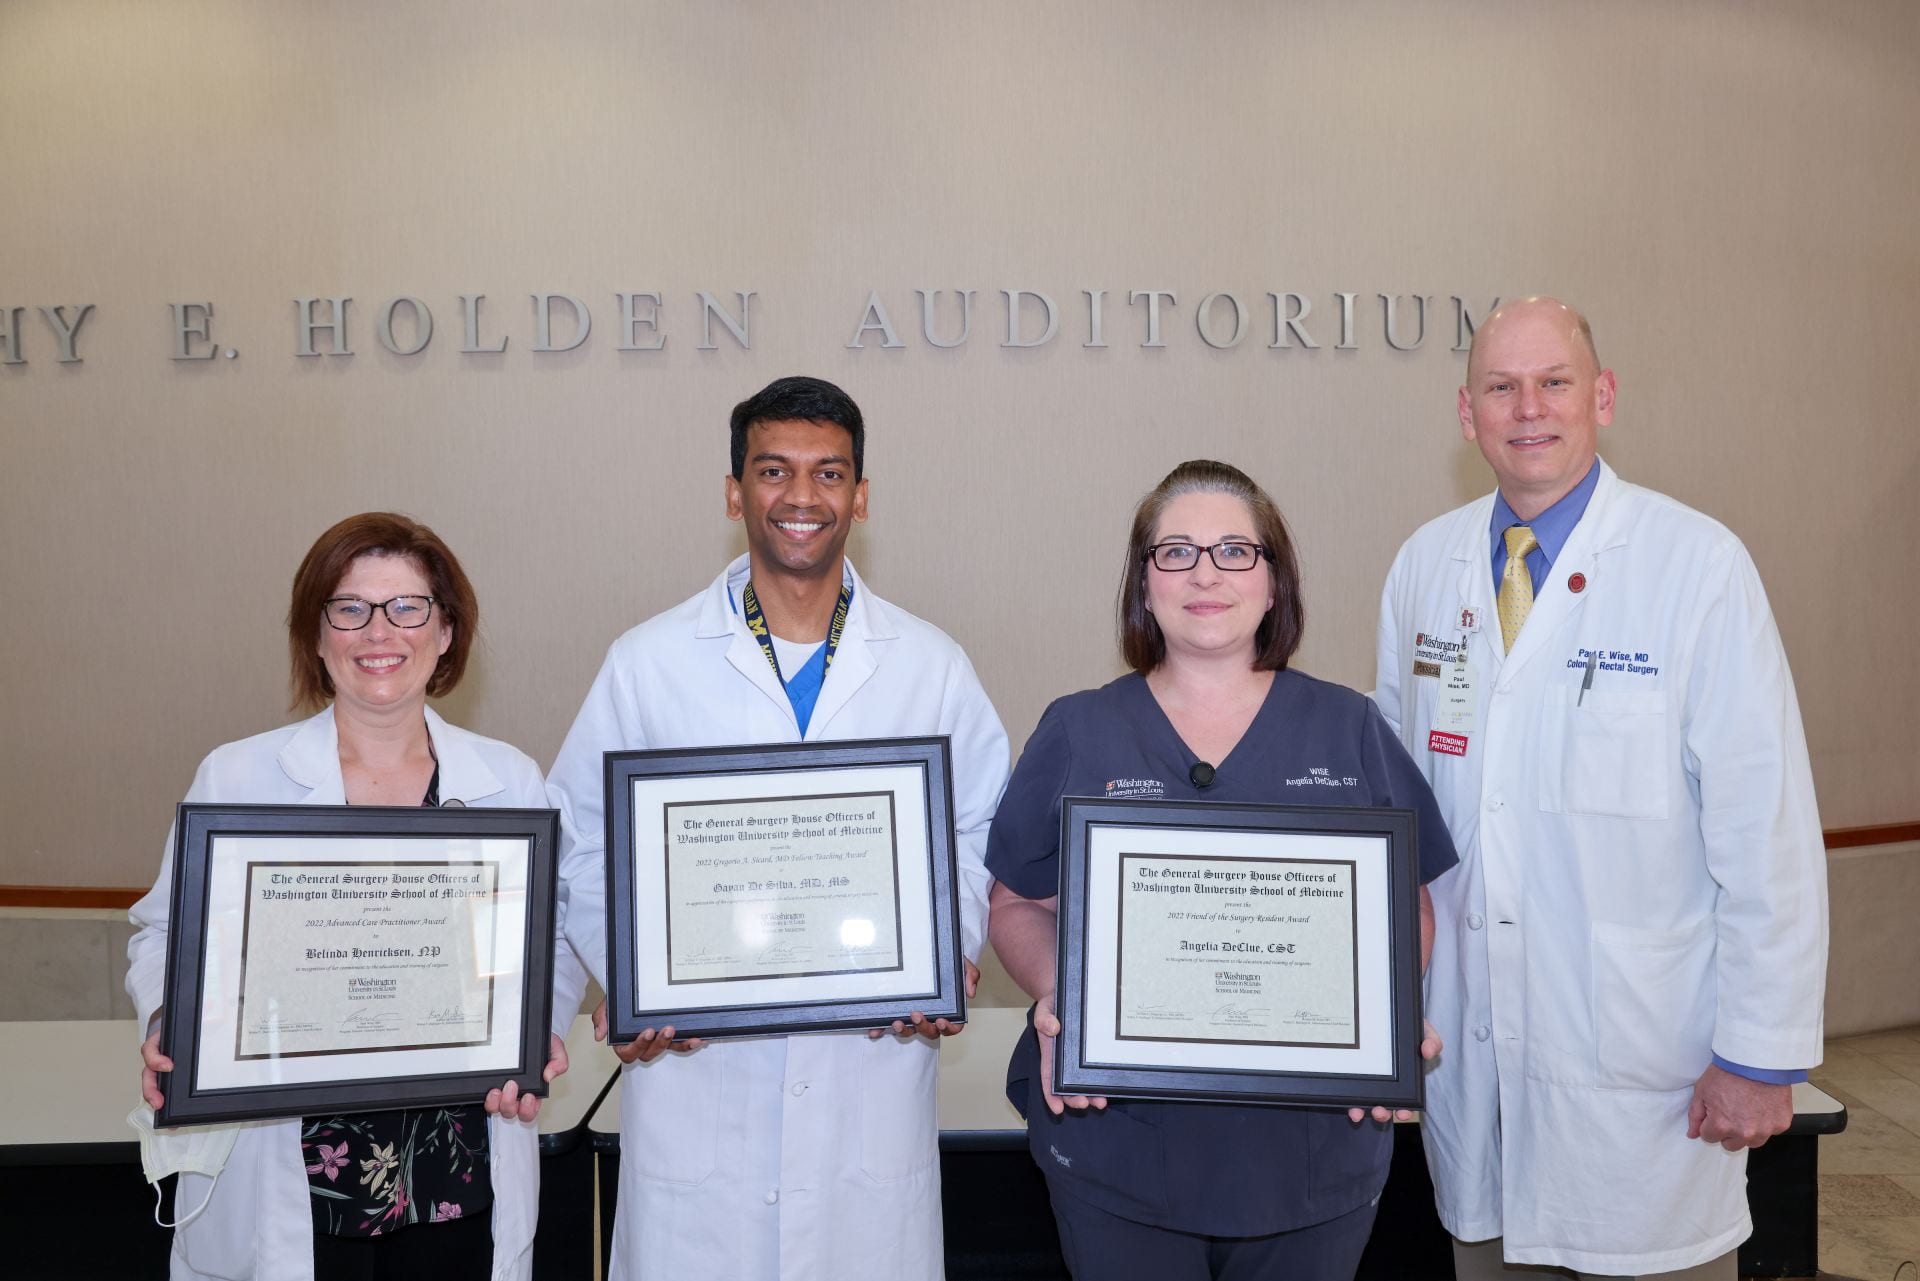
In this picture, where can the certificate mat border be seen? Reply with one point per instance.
(946, 999)
(196, 825)
(1074, 1073)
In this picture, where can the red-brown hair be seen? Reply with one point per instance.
(326, 563)
(1278, 635)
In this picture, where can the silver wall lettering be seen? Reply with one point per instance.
(422, 327)
(1283, 323)
(1222, 322)
(1096, 332)
(741, 332)
(337, 326)
(1204, 319)
(630, 320)
(1391, 302)
(187, 327)
(470, 303)
(64, 333)
(926, 317)
(1153, 297)
(1014, 339)
(874, 320)
(1464, 324)
(543, 322)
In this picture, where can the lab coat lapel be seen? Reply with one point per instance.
(311, 758)
(1472, 554)
(464, 777)
(720, 616)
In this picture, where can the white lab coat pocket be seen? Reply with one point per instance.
(899, 1133)
(1653, 1005)
(676, 1128)
(1614, 754)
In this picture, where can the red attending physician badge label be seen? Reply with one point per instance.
(1447, 744)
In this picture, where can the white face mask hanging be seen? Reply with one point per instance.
(186, 1149)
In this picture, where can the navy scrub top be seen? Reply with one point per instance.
(1217, 1169)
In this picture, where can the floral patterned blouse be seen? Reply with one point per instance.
(373, 1173)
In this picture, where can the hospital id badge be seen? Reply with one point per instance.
(1456, 708)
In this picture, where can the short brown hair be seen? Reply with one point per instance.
(1278, 635)
(326, 563)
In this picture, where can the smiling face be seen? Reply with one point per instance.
(1205, 611)
(1535, 401)
(382, 669)
(798, 498)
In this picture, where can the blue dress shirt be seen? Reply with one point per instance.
(1551, 529)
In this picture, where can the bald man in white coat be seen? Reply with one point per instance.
(1631, 954)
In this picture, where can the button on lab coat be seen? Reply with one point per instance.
(259, 1224)
(1642, 880)
(777, 1157)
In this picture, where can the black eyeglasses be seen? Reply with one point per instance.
(350, 613)
(1178, 558)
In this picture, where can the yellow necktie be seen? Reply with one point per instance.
(1516, 584)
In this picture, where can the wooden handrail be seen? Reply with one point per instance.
(78, 896)
(67, 896)
(1841, 838)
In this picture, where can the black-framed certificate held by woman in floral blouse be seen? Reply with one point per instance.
(1258, 953)
(784, 888)
(351, 958)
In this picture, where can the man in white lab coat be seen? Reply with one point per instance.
(1631, 954)
(781, 1157)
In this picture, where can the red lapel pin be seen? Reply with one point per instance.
(1576, 583)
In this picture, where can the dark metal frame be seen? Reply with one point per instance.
(1074, 1073)
(933, 755)
(195, 827)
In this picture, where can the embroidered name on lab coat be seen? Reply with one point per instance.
(1632, 662)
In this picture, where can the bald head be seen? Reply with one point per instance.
(1535, 400)
(1537, 309)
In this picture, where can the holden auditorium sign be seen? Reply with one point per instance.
(405, 326)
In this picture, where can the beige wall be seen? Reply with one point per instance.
(1728, 188)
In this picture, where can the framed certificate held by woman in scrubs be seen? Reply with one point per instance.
(1259, 953)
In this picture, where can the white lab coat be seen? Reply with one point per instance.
(777, 1157)
(1642, 881)
(259, 1224)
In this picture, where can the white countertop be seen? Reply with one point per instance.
(74, 1081)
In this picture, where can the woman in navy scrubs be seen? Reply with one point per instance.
(1210, 612)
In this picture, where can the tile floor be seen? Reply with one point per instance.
(1870, 1173)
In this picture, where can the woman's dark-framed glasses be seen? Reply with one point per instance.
(350, 613)
(1178, 558)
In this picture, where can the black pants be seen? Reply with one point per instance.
(453, 1248)
(1101, 1247)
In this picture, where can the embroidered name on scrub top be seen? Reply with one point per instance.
(803, 690)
